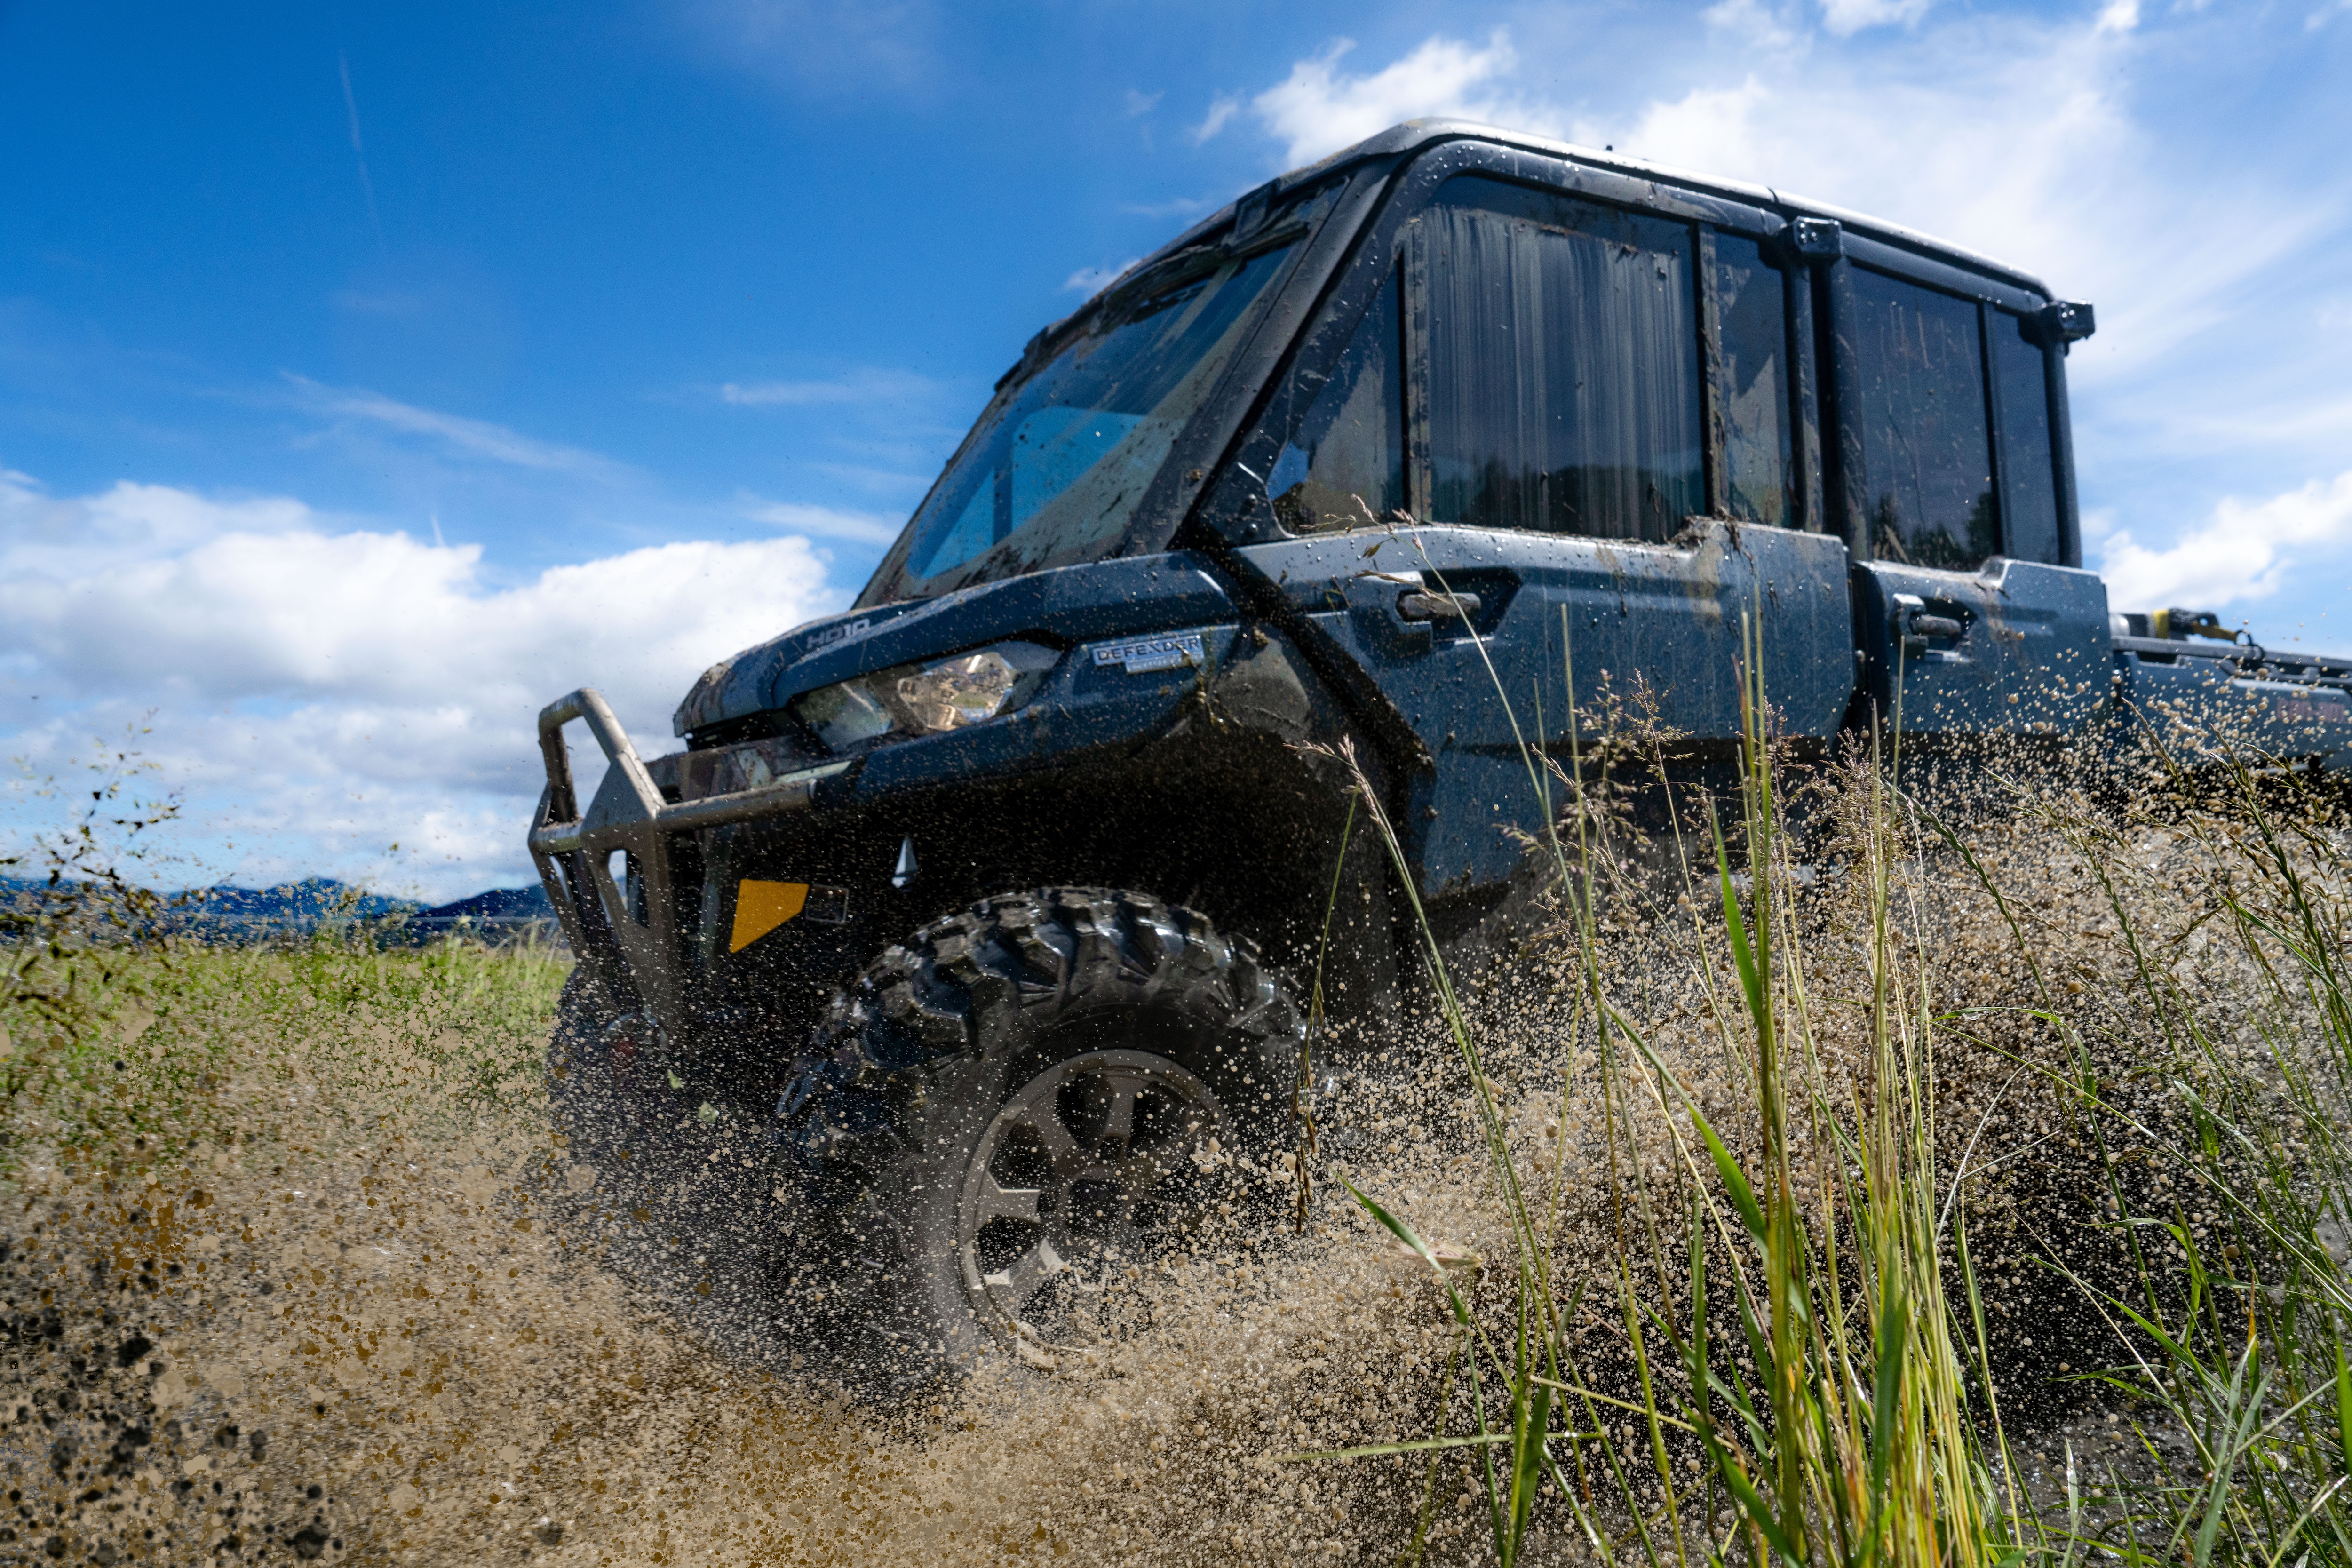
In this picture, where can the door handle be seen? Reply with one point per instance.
(1421, 604)
(1915, 625)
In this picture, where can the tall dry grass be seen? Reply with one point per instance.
(1804, 1366)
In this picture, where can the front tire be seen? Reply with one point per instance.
(1015, 1108)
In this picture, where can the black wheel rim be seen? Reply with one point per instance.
(1090, 1170)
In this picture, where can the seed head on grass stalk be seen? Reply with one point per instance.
(1862, 1452)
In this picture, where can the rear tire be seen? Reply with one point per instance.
(1011, 1110)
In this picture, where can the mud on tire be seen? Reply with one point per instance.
(1044, 1074)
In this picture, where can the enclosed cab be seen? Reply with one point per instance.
(981, 897)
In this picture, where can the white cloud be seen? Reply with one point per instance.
(1845, 17)
(863, 385)
(823, 522)
(1751, 20)
(1222, 110)
(479, 437)
(151, 589)
(1092, 280)
(1319, 109)
(2245, 550)
(1141, 103)
(326, 689)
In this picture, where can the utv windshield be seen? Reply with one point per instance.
(1054, 475)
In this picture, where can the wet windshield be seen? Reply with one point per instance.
(1053, 477)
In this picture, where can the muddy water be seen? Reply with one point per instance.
(365, 1319)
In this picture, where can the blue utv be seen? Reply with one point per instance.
(972, 912)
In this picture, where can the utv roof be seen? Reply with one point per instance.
(1415, 135)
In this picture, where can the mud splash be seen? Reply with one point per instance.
(287, 1283)
(396, 1360)
(287, 1277)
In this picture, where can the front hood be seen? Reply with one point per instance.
(1068, 604)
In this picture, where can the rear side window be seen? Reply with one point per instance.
(1926, 440)
(1751, 304)
(2029, 478)
(1563, 368)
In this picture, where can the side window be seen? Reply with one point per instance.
(1341, 464)
(1752, 303)
(2029, 478)
(1926, 443)
(1563, 380)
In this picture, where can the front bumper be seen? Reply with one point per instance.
(633, 943)
(642, 933)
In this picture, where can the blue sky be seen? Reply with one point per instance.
(370, 375)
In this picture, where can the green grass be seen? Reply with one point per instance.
(129, 1055)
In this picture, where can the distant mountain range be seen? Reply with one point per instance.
(311, 898)
(498, 903)
(315, 901)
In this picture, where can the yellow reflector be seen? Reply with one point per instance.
(761, 906)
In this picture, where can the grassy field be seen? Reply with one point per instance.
(1894, 1193)
(119, 1062)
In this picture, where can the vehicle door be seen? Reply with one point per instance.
(1551, 438)
(1955, 477)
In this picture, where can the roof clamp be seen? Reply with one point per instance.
(1811, 241)
(2066, 321)
(1250, 213)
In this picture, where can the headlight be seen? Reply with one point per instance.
(955, 692)
(926, 700)
(844, 716)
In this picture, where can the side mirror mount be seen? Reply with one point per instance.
(2066, 321)
(1809, 242)
(1250, 213)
